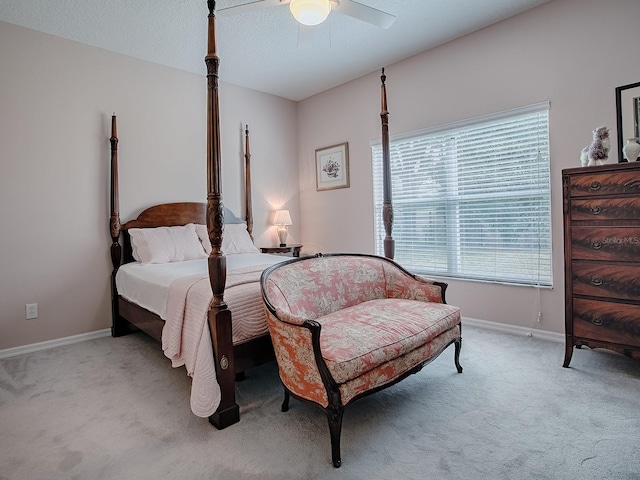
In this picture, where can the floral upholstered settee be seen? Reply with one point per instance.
(346, 325)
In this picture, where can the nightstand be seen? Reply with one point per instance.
(293, 249)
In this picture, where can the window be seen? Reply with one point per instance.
(472, 200)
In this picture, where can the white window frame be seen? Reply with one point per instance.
(436, 229)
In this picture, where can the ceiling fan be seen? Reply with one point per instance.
(314, 12)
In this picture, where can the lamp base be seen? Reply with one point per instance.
(282, 235)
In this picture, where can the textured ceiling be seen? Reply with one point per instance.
(259, 49)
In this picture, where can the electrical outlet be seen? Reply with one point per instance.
(32, 310)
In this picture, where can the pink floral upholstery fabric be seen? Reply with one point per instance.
(312, 289)
(357, 339)
(377, 323)
(315, 288)
(400, 285)
(296, 363)
(393, 369)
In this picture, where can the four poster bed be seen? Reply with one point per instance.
(162, 284)
(174, 291)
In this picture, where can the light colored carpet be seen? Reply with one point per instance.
(115, 409)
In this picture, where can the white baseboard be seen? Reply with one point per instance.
(513, 329)
(58, 342)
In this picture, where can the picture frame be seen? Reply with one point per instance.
(628, 115)
(332, 167)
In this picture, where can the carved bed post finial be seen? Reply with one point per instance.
(387, 207)
(114, 220)
(247, 176)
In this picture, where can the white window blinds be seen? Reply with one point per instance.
(471, 200)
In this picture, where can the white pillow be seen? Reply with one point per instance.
(235, 239)
(203, 235)
(166, 244)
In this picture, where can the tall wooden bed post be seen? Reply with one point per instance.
(219, 315)
(247, 170)
(387, 207)
(114, 222)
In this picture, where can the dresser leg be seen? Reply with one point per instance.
(568, 352)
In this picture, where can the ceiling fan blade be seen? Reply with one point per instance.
(250, 7)
(362, 12)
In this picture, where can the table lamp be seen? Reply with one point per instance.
(282, 219)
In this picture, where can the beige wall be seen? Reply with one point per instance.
(56, 100)
(570, 52)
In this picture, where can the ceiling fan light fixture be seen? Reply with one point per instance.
(310, 12)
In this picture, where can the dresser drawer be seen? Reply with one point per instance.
(607, 321)
(606, 280)
(605, 243)
(598, 209)
(606, 183)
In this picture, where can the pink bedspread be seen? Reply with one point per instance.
(186, 339)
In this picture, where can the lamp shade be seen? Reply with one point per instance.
(310, 12)
(282, 217)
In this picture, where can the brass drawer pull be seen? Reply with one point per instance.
(596, 281)
(596, 210)
(596, 320)
(596, 185)
(596, 245)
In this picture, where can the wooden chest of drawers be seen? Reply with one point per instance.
(602, 258)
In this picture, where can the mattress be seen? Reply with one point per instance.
(148, 285)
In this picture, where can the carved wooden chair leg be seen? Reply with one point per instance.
(285, 402)
(456, 358)
(334, 415)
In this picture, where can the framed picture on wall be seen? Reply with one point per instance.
(332, 167)
(628, 117)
